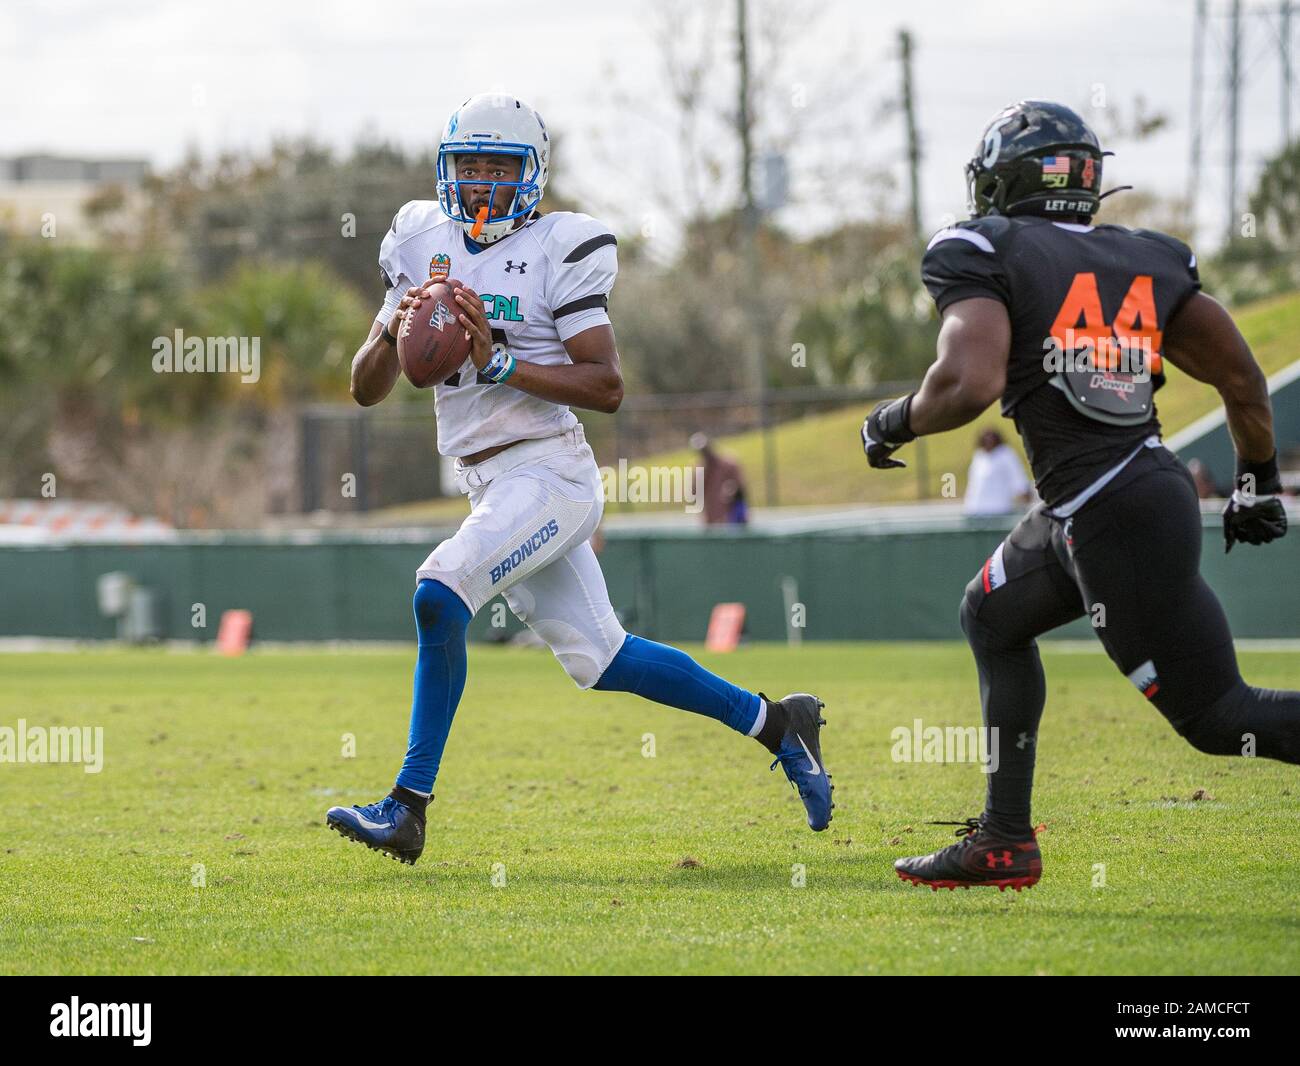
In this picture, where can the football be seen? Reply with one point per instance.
(431, 344)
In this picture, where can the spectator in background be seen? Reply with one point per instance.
(996, 482)
(1206, 489)
(738, 512)
(723, 486)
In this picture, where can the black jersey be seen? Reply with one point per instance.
(1058, 280)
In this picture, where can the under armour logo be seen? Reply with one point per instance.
(994, 860)
(1024, 741)
(510, 265)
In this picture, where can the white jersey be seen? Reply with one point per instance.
(995, 481)
(540, 286)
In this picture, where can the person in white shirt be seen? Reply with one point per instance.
(532, 294)
(996, 482)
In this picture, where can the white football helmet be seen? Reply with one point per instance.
(494, 124)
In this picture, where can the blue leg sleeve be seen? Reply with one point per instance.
(672, 677)
(440, 621)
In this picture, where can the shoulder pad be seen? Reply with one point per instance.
(569, 236)
(965, 260)
(984, 233)
(416, 216)
(1184, 252)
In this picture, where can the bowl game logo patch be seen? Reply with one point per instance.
(440, 266)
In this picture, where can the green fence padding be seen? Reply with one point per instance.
(895, 584)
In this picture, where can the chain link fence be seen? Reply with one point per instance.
(355, 459)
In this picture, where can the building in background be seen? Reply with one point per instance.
(47, 195)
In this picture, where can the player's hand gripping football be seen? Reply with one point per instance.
(410, 302)
(476, 325)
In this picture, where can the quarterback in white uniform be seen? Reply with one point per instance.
(533, 299)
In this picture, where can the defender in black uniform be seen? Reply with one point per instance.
(1069, 323)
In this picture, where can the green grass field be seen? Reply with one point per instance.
(614, 862)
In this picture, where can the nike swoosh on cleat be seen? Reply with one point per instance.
(366, 822)
(816, 770)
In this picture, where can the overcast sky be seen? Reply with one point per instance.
(138, 77)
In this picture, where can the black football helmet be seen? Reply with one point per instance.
(1036, 158)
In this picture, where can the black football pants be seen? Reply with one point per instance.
(1128, 560)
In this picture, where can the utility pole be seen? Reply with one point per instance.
(1198, 95)
(743, 119)
(1284, 42)
(755, 312)
(1234, 114)
(913, 142)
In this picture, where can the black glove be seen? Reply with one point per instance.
(1258, 523)
(1254, 515)
(885, 430)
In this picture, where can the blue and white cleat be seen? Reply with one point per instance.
(800, 756)
(388, 826)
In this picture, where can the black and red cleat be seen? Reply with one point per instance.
(978, 858)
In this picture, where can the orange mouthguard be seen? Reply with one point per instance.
(479, 221)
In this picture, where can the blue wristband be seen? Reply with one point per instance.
(500, 367)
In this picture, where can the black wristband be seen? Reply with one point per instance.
(388, 337)
(1265, 479)
(894, 421)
